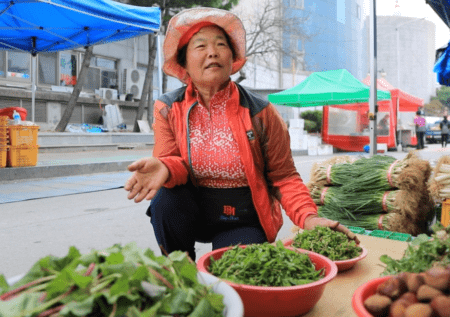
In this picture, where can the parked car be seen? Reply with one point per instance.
(433, 133)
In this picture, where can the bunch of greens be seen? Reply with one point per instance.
(117, 281)
(422, 253)
(333, 244)
(377, 173)
(369, 221)
(370, 202)
(335, 174)
(265, 265)
(369, 173)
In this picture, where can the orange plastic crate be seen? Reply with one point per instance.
(22, 156)
(445, 213)
(4, 136)
(3, 140)
(23, 135)
(3, 155)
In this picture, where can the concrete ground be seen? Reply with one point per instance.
(42, 216)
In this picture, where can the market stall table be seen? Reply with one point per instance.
(337, 297)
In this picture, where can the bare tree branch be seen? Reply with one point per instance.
(266, 28)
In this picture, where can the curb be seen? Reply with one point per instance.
(40, 172)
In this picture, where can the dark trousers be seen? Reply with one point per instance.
(420, 140)
(179, 220)
(444, 138)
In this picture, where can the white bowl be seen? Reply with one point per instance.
(231, 299)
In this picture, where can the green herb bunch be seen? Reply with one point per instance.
(365, 220)
(118, 281)
(265, 265)
(333, 244)
(372, 174)
(422, 253)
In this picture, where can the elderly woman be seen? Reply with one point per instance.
(222, 163)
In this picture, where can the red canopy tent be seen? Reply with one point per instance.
(406, 106)
(346, 126)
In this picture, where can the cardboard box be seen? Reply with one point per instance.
(325, 149)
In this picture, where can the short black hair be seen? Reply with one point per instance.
(181, 55)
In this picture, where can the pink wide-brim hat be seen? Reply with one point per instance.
(180, 28)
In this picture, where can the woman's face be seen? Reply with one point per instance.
(209, 59)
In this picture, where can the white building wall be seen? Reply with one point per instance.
(408, 63)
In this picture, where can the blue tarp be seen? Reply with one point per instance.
(442, 65)
(442, 9)
(55, 25)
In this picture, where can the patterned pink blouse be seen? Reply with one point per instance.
(215, 155)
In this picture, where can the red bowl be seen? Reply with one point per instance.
(342, 265)
(10, 111)
(269, 301)
(363, 292)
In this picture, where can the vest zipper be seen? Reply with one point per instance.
(188, 137)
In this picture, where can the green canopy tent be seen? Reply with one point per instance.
(334, 87)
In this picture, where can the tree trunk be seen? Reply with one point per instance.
(61, 127)
(147, 89)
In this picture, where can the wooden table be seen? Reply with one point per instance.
(336, 300)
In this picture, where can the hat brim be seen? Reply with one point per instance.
(181, 23)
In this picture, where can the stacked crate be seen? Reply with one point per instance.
(3, 140)
(23, 147)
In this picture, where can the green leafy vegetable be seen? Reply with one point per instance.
(118, 281)
(422, 253)
(333, 244)
(265, 265)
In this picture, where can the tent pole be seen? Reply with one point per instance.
(33, 78)
(160, 79)
(373, 82)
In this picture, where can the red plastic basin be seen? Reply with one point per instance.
(10, 111)
(266, 301)
(363, 292)
(342, 265)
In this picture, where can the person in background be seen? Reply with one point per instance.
(222, 162)
(419, 122)
(444, 131)
(383, 125)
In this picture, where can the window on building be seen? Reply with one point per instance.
(47, 68)
(299, 4)
(19, 65)
(358, 11)
(340, 11)
(68, 69)
(102, 73)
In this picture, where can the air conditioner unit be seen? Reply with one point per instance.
(134, 81)
(108, 93)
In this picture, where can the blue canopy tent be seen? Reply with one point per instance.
(36, 26)
(442, 9)
(442, 65)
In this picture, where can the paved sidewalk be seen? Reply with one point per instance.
(67, 173)
(60, 186)
(50, 165)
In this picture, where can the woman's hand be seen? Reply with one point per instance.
(313, 221)
(148, 177)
